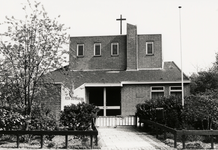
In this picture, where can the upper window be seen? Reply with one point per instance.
(149, 48)
(157, 92)
(80, 50)
(114, 49)
(176, 91)
(97, 49)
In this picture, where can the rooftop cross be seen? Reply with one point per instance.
(121, 19)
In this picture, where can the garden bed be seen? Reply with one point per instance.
(58, 142)
(192, 142)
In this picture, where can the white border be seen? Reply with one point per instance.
(156, 91)
(147, 48)
(94, 49)
(170, 89)
(117, 49)
(77, 50)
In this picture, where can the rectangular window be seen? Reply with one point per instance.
(176, 91)
(157, 92)
(149, 48)
(114, 49)
(97, 49)
(80, 50)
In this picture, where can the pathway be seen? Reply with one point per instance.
(128, 138)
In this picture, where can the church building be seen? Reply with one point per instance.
(118, 72)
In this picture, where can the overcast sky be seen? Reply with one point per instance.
(199, 22)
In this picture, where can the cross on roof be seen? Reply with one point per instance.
(121, 19)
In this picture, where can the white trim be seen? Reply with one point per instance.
(150, 68)
(109, 107)
(112, 49)
(77, 50)
(154, 82)
(156, 91)
(129, 82)
(102, 84)
(95, 44)
(152, 44)
(170, 89)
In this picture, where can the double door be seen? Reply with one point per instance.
(108, 99)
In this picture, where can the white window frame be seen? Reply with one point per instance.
(173, 90)
(95, 49)
(147, 48)
(153, 91)
(112, 49)
(77, 52)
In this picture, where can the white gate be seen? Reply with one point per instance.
(107, 121)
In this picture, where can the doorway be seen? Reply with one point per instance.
(108, 99)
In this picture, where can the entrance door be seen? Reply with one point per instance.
(108, 99)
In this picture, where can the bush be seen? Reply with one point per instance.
(171, 111)
(11, 117)
(42, 118)
(78, 117)
(199, 112)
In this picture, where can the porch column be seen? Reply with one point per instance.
(104, 102)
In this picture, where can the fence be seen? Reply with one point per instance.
(104, 121)
(93, 133)
(182, 133)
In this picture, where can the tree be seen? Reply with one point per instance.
(205, 81)
(30, 49)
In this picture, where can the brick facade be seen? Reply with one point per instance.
(103, 62)
(137, 67)
(149, 61)
(131, 95)
(132, 42)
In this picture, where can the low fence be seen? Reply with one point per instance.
(157, 127)
(106, 121)
(93, 133)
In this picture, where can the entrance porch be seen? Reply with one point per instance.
(108, 99)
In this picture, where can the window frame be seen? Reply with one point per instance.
(175, 90)
(95, 44)
(77, 51)
(157, 91)
(116, 43)
(152, 43)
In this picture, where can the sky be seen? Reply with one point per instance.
(198, 19)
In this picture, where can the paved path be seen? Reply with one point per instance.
(128, 138)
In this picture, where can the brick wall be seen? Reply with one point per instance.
(131, 95)
(103, 62)
(52, 99)
(149, 61)
(132, 40)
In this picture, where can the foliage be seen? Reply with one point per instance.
(78, 117)
(199, 112)
(11, 117)
(171, 106)
(30, 49)
(42, 119)
(204, 81)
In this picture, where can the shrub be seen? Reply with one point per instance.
(42, 118)
(78, 117)
(171, 111)
(11, 117)
(199, 112)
